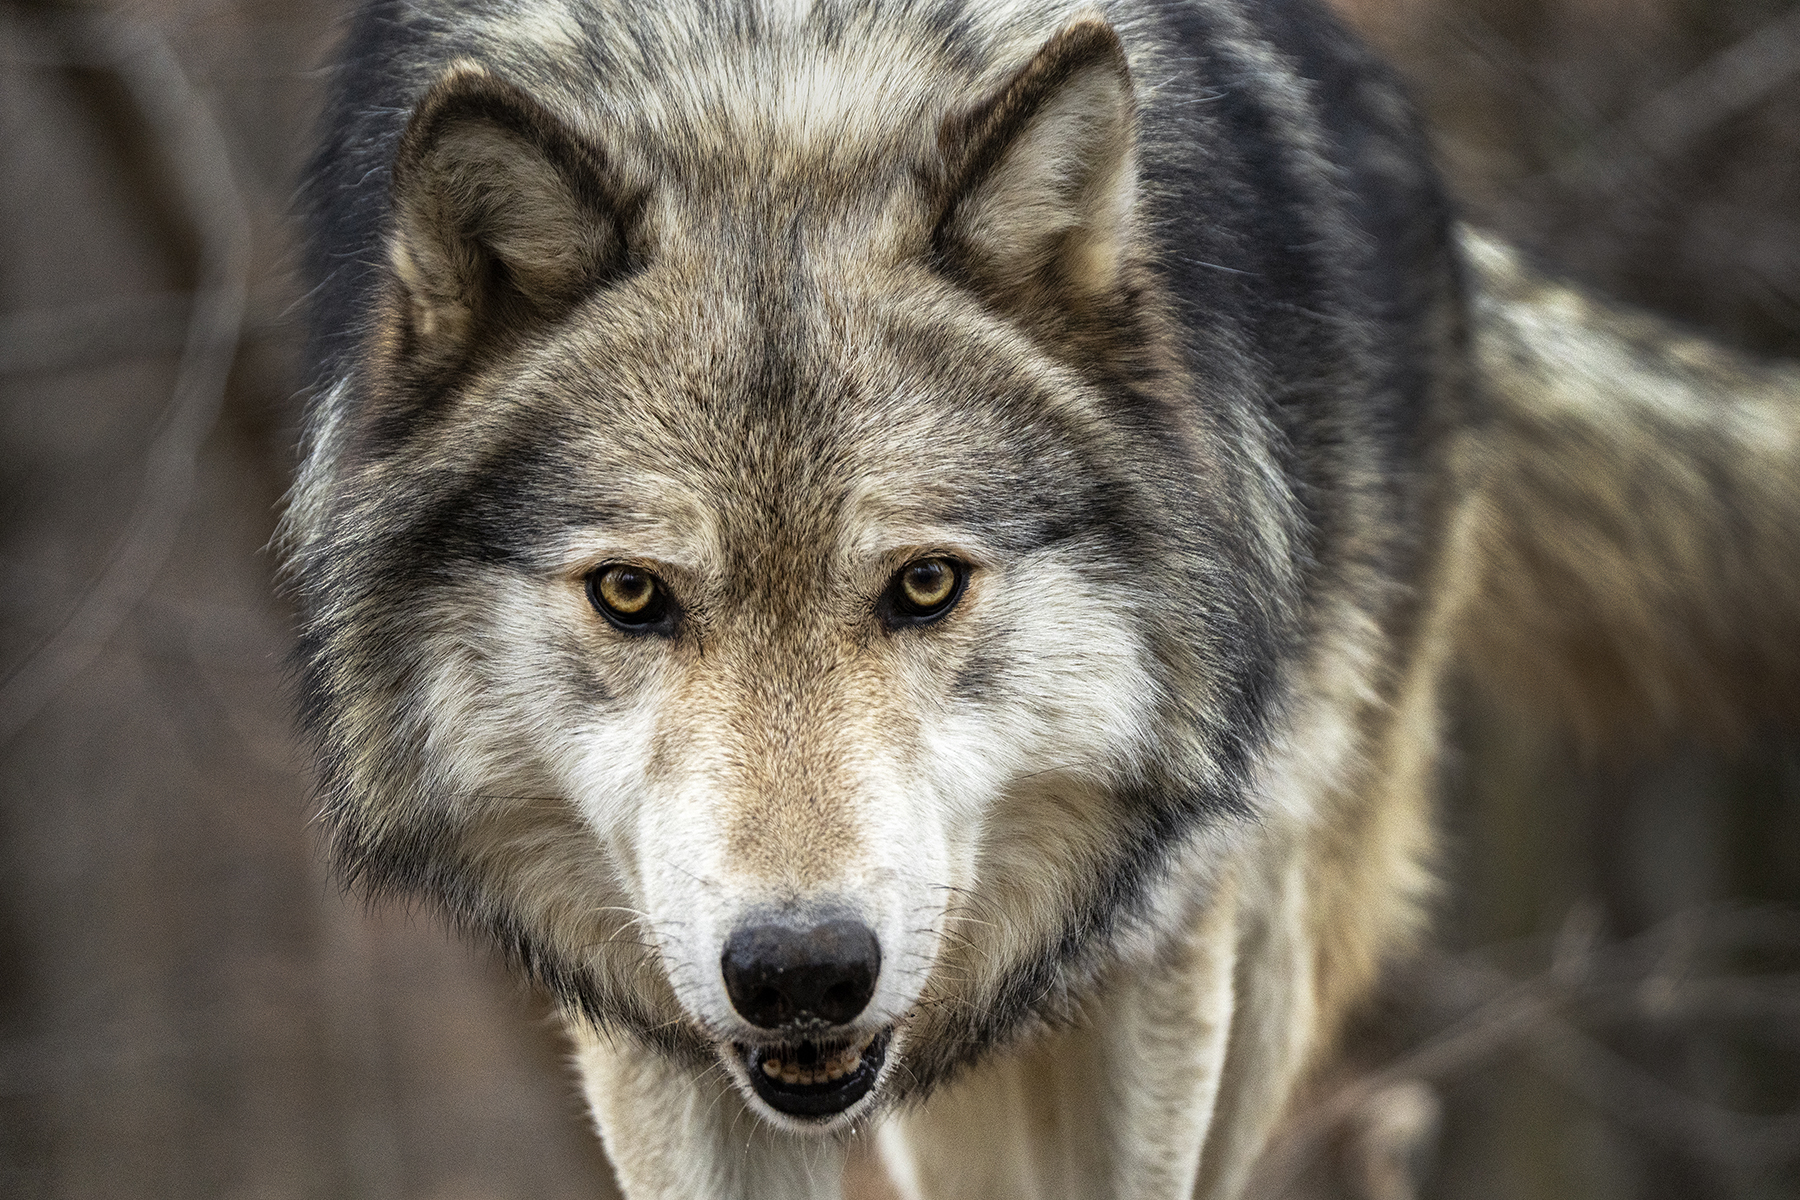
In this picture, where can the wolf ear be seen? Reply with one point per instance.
(503, 216)
(1041, 178)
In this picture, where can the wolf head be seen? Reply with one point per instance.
(793, 585)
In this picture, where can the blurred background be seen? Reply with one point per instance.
(189, 1007)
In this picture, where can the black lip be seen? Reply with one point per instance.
(815, 1099)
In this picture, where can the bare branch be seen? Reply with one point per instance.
(187, 134)
(1644, 979)
(1676, 118)
(1729, 83)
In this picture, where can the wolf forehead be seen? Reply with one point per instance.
(760, 400)
(757, 442)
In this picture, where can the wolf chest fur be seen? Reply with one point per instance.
(899, 557)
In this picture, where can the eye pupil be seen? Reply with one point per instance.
(625, 590)
(928, 583)
(627, 597)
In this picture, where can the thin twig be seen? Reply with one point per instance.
(1641, 978)
(1731, 82)
(188, 137)
(1671, 122)
(1517, 1012)
(1614, 1084)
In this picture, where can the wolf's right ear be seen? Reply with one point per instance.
(1040, 179)
(503, 216)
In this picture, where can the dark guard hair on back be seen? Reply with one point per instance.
(1278, 308)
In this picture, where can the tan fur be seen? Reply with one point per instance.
(1639, 515)
(494, 190)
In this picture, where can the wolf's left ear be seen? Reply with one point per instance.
(1040, 179)
(502, 216)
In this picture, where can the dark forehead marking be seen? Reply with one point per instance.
(505, 506)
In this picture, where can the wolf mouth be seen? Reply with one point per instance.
(815, 1079)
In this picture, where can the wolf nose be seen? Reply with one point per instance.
(781, 974)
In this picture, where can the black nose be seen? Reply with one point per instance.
(781, 974)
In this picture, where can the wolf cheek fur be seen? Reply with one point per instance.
(662, 346)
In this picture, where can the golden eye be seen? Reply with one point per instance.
(631, 598)
(926, 589)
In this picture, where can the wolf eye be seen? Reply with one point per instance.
(924, 590)
(633, 600)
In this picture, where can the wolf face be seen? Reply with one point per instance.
(782, 599)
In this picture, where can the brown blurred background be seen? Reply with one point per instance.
(190, 1008)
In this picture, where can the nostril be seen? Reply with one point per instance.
(770, 1003)
(844, 998)
(779, 973)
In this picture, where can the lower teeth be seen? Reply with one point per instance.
(840, 1064)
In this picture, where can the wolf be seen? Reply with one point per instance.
(900, 559)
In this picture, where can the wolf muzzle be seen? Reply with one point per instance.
(807, 983)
